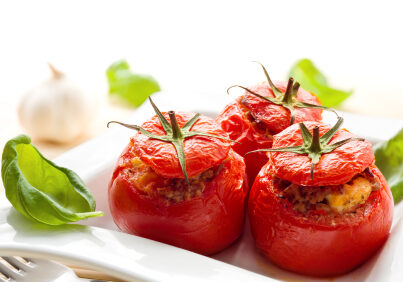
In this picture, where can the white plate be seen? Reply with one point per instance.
(100, 246)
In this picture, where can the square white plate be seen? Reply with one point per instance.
(99, 245)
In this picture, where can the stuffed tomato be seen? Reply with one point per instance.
(319, 206)
(187, 190)
(263, 111)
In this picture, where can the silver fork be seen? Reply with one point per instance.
(19, 269)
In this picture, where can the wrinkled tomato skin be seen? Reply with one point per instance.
(233, 121)
(298, 243)
(272, 117)
(204, 224)
(201, 152)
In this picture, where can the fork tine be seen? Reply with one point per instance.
(4, 278)
(8, 271)
(17, 263)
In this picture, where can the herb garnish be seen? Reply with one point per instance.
(40, 189)
(389, 160)
(313, 80)
(132, 88)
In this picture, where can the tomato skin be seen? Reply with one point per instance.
(301, 244)
(201, 152)
(204, 224)
(275, 118)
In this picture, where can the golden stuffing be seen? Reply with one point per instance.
(173, 190)
(334, 199)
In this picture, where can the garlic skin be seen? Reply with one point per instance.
(56, 110)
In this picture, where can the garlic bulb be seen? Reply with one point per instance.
(56, 110)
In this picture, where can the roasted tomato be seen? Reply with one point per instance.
(252, 120)
(323, 219)
(149, 195)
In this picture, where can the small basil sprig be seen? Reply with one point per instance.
(133, 88)
(314, 81)
(314, 146)
(174, 134)
(288, 99)
(41, 190)
(389, 160)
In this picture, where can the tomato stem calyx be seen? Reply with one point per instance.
(177, 133)
(314, 146)
(290, 92)
(287, 99)
(173, 133)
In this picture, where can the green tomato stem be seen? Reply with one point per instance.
(315, 146)
(176, 130)
(287, 98)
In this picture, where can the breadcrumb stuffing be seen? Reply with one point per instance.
(174, 190)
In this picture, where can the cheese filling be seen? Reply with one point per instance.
(335, 199)
(351, 195)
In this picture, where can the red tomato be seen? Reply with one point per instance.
(334, 168)
(253, 121)
(311, 243)
(205, 223)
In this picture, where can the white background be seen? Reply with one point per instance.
(201, 48)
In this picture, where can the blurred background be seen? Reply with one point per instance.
(196, 48)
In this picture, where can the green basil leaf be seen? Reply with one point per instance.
(41, 190)
(389, 159)
(312, 80)
(132, 88)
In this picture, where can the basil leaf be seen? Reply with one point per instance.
(389, 159)
(132, 88)
(41, 190)
(312, 80)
